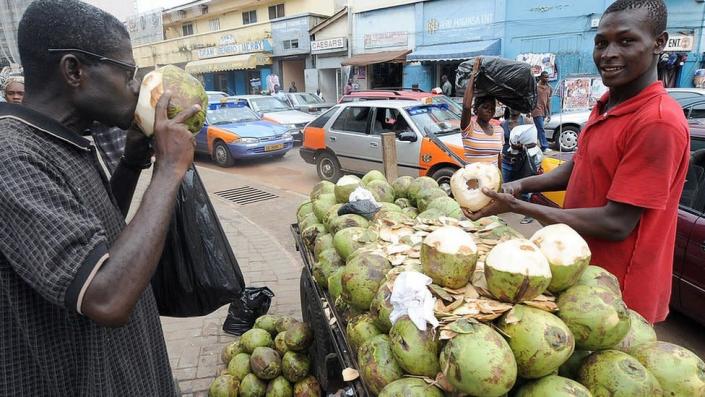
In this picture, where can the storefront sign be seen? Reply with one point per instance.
(434, 25)
(679, 42)
(540, 63)
(230, 48)
(386, 39)
(328, 45)
(146, 28)
(456, 21)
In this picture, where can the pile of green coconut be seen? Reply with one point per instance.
(269, 360)
(517, 316)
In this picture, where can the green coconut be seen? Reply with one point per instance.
(388, 207)
(322, 205)
(678, 370)
(362, 278)
(448, 256)
(224, 386)
(345, 310)
(553, 386)
(381, 191)
(266, 363)
(360, 329)
(255, 338)
(640, 332)
(268, 322)
(280, 343)
(411, 212)
(308, 220)
(541, 342)
(348, 240)
(424, 197)
(345, 186)
(401, 186)
(299, 336)
(445, 204)
(279, 387)
(430, 216)
(392, 218)
(331, 215)
(380, 368)
(415, 351)
(307, 387)
(239, 366)
(295, 366)
(516, 271)
(615, 373)
(304, 209)
(311, 233)
(335, 288)
(410, 387)
(595, 276)
(345, 221)
(322, 243)
(381, 307)
(568, 254)
(373, 175)
(328, 262)
(252, 386)
(570, 368)
(284, 323)
(478, 361)
(402, 203)
(230, 351)
(598, 318)
(419, 184)
(322, 187)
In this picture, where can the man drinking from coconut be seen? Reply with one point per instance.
(79, 316)
(624, 183)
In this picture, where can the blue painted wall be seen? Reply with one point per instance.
(688, 16)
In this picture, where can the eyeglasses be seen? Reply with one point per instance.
(124, 65)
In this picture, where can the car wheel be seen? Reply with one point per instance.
(568, 138)
(221, 154)
(328, 167)
(442, 176)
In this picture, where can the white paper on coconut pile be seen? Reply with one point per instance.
(411, 297)
(361, 194)
(561, 244)
(450, 240)
(518, 256)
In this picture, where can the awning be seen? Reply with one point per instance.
(233, 62)
(377, 57)
(455, 51)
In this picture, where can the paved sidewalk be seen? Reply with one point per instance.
(194, 344)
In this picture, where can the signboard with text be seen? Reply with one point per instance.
(227, 47)
(386, 39)
(679, 43)
(329, 45)
(146, 28)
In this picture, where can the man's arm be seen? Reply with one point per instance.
(117, 286)
(553, 181)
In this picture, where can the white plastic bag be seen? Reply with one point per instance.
(411, 297)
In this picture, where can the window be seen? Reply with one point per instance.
(323, 119)
(353, 119)
(389, 120)
(276, 11)
(291, 44)
(697, 111)
(204, 10)
(249, 17)
(693, 195)
(187, 29)
(214, 24)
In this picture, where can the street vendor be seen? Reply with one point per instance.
(79, 315)
(624, 183)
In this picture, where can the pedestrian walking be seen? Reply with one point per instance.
(319, 95)
(542, 112)
(292, 87)
(446, 86)
(624, 183)
(482, 140)
(13, 90)
(80, 316)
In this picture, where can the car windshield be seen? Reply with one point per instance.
(268, 104)
(307, 99)
(453, 106)
(227, 115)
(437, 119)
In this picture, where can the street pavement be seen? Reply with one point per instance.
(261, 240)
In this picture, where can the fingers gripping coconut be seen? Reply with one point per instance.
(467, 184)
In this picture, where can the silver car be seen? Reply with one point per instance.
(307, 102)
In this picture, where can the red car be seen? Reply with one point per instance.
(410, 95)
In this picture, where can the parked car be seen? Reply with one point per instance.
(273, 109)
(307, 102)
(413, 95)
(214, 96)
(233, 132)
(564, 127)
(346, 139)
(688, 294)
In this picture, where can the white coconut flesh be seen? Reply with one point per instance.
(451, 240)
(561, 245)
(519, 256)
(150, 92)
(467, 183)
(348, 180)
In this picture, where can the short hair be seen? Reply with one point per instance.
(64, 24)
(481, 100)
(658, 13)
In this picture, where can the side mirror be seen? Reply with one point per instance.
(407, 136)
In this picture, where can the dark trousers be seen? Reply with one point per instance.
(538, 121)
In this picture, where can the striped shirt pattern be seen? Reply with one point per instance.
(481, 147)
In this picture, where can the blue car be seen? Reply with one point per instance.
(234, 132)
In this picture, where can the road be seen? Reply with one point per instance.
(292, 175)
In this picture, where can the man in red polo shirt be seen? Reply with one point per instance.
(625, 181)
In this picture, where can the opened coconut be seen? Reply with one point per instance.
(516, 271)
(615, 373)
(345, 186)
(448, 256)
(679, 371)
(568, 254)
(467, 183)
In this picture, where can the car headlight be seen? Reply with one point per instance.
(286, 135)
(248, 140)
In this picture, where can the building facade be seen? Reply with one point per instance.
(329, 48)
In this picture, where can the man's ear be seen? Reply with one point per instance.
(661, 41)
(71, 70)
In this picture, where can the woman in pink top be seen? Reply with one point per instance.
(483, 140)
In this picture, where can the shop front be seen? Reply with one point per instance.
(329, 48)
(291, 50)
(675, 57)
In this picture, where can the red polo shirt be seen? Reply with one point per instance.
(636, 153)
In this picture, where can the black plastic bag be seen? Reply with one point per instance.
(364, 208)
(510, 82)
(198, 272)
(243, 312)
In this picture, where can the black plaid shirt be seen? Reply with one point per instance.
(57, 220)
